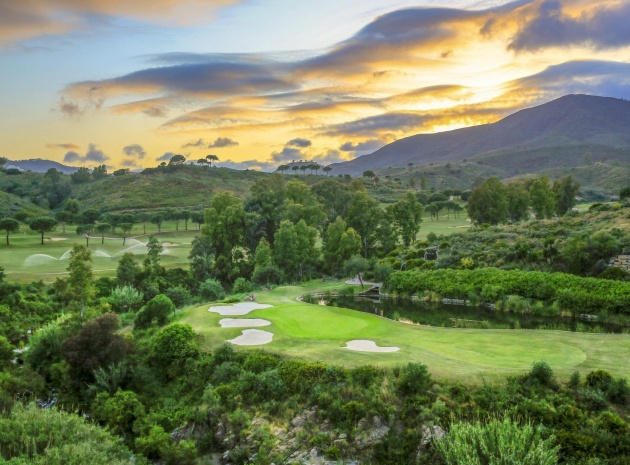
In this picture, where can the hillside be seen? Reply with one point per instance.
(11, 204)
(552, 135)
(185, 186)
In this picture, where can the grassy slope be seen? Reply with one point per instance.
(315, 332)
(11, 204)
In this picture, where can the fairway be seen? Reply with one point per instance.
(319, 333)
(26, 259)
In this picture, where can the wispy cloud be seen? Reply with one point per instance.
(67, 146)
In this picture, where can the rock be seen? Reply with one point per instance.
(429, 433)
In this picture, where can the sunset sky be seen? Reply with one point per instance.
(262, 82)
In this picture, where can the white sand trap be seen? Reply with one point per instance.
(243, 322)
(252, 337)
(57, 239)
(241, 308)
(363, 345)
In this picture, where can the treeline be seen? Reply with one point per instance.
(571, 293)
(493, 202)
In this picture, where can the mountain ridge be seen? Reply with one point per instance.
(571, 120)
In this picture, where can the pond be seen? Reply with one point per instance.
(437, 314)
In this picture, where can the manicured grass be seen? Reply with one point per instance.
(26, 259)
(315, 332)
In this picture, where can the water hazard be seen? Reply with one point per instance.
(437, 314)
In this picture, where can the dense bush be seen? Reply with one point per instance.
(573, 293)
(497, 442)
(211, 290)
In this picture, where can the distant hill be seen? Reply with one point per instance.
(39, 165)
(556, 134)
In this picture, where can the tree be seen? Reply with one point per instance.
(301, 204)
(97, 345)
(340, 243)
(154, 249)
(127, 270)
(185, 215)
(80, 285)
(121, 172)
(9, 225)
(172, 347)
(103, 228)
(90, 215)
(99, 172)
(355, 266)
(54, 188)
(488, 202)
(407, 214)
(177, 160)
(364, 215)
(334, 196)
(370, 174)
(624, 194)
(542, 198)
(197, 217)
(212, 158)
(565, 191)
(43, 224)
(267, 199)
(157, 309)
(224, 224)
(157, 220)
(326, 169)
(63, 217)
(126, 229)
(201, 258)
(202, 161)
(294, 248)
(518, 201)
(85, 230)
(81, 176)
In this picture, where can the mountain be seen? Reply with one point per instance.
(38, 165)
(557, 133)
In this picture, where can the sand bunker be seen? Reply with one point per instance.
(252, 337)
(242, 308)
(363, 345)
(56, 239)
(243, 322)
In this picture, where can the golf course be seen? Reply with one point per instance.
(320, 333)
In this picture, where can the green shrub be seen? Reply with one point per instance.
(242, 286)
(125, 299)
(496, 442)
(211, 290)
(157, 309)
(179, 295)
(37, 436)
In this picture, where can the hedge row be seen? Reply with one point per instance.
(572, 293)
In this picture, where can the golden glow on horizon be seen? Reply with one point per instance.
(397, 77)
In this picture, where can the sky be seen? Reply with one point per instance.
(260, 83)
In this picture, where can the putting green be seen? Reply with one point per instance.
(315, 332)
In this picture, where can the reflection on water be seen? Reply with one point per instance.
(436, 314)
